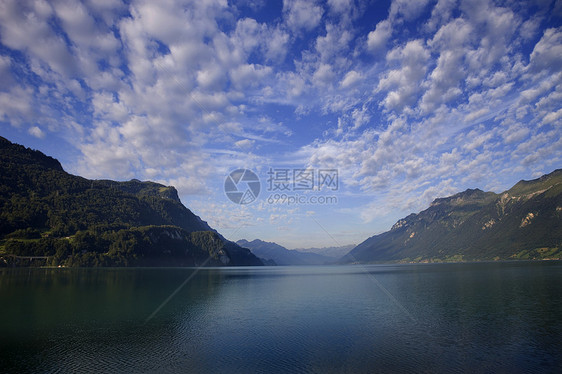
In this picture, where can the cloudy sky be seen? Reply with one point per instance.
(408, 100)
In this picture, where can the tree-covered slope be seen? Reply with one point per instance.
(73, 221)
(524, 222)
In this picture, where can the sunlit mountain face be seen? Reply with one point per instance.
(351, 114)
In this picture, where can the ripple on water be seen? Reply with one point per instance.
(480, 318)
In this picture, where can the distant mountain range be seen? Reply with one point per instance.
(50, 217)
(283, 256)
(335, 252)
(524, 222)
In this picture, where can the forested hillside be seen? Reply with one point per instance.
(524, 222)
(72, 221)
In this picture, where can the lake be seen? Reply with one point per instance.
(481, 317)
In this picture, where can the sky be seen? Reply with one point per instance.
(351, 114)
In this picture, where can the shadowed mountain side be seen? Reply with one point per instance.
(50, 217)
(524, 222)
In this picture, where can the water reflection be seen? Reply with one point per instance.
(468, 317)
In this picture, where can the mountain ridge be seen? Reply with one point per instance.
(69, 220)
(523, 222)
(334, 252)
(283, 256)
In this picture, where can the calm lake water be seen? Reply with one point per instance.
(486, 317)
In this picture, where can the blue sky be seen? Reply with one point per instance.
(409, 100)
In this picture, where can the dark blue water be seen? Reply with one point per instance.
(488, 317)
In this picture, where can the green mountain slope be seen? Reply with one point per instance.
(524, 222)
(73, 221)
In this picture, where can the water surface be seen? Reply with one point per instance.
(485, 317)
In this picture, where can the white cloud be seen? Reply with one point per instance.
(403, 84)
(444, 81)
(187, 185)
(25, 26)
(340, 6)
(360, 117)
(271, 41)
(248, 75)
(6, 77)
(457, 34)
(302, 14)
(81, 29)
(441, 13)
(334, 44)
(515, 133)
(409, 9)
(552, 117)
(351, 79)
(244, 143)
(182, 91)
(470, 117)
(16, 105)
(547, 53)
(211, 78)
(37, 132)
(530, 28)
(378, 38)
(531, 93)
(276, 45)
(497, 26)
(106, 107)
(323, 75)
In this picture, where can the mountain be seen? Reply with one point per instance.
(48, 216)
(334, 252)
(524, 222)
(281, 255)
